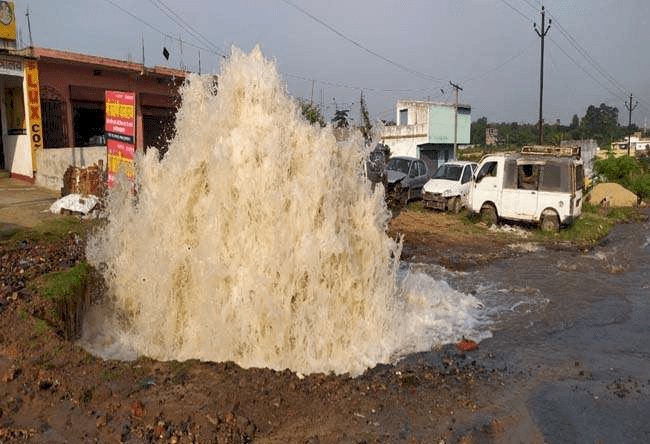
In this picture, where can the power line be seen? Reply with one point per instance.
(518, 11)
(158, 30)
(180, 21)
(361, 46)
(501, 65)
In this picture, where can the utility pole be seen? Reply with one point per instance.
(456, 89)
(29, 28)
(542, 34)
(630, 107)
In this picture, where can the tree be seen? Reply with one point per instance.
(477, 136)
(312, 113)
(366, 126)
(575, 122)
(340, 119)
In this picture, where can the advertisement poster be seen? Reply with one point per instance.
(34, 108)
(7, 20)
(120, 133)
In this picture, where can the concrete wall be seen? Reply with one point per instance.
(404, 140)
(588, 149)
(418, 112)
(52, 163)
(441, 124)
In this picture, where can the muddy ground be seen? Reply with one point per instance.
(519, 386)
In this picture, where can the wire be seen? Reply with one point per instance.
(361, 46)
(517, 11)
(586, 71)
(180, 21)
(496, 68)
(158, 30)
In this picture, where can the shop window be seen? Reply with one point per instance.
(88, 120)
(158, 128)
(54, 127)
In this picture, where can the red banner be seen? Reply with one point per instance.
(120, 133)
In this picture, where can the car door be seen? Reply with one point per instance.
(527, 190)
(465, 183)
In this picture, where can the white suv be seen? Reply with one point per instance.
(542, 184)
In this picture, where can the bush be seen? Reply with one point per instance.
(626, 171)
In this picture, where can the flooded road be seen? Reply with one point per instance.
(571, 329)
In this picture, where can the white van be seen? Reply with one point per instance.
(542, 185)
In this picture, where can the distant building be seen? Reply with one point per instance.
(426, 130)
(638, 144)
(491, 136)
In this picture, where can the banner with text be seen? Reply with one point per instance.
(120, 133)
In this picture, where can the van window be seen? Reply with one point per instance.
(489, 169)
(551, 178)
(467, 174)
(580, 177)
(510, 175)
(527, 177)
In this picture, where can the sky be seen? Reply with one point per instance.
(489, 47)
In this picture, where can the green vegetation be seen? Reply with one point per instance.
(312, 113)
(599, 122)
(48, 230)
(65, 285)
(594, 224)
(627, 171)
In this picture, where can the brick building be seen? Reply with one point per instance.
(71, 88)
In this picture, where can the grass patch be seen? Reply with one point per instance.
(49, 230)
(416, 206)
(40, 326)
(66, 289)
(593, 224)
(66, 284)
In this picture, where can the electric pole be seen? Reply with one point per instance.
(630, 107)
(542, 34)
(456, 89)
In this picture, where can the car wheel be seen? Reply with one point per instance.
(550, 222)
(489, 214)
(454, 204)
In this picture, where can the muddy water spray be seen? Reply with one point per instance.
(256, 240)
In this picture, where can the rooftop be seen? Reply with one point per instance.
(58, 55)
(406, 102)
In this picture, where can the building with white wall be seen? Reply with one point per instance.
(426, 130)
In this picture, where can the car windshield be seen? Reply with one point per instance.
(449, 172)
(401, 165)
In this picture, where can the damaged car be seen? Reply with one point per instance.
(448, 188)
(405, 178)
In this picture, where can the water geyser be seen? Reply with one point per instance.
(257, 240)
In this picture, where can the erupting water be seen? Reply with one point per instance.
(257, 240)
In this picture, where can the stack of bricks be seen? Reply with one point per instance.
(85, 181)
